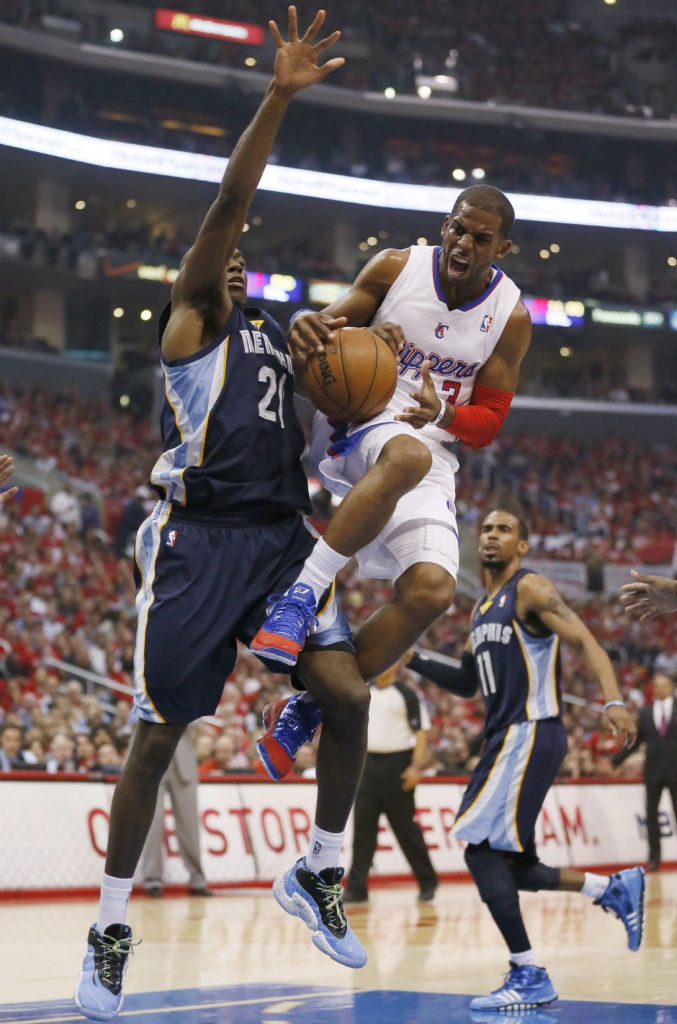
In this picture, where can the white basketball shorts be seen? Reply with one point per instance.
(423, 527)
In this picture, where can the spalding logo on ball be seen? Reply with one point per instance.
(355, 377)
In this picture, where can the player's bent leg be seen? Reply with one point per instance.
(361, 516)
(422, 593)
(98, 991)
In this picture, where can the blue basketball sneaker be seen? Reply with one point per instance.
(98, 993)
(289, 724)
(290, 618)
(318, 901)
(525, 987)
(624, 897)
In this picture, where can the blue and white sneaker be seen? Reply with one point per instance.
(624, 897)
(289, 724)
(521, 1017)
(98, 993)
(318, 901)
(290, 618)
(525, 987)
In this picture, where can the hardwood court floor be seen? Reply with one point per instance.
(239, 957)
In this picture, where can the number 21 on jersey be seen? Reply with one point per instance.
(269, 408)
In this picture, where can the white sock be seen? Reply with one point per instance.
(115, 893)
(324, 850)
(594, 885)
(321, 567)
(527, 957)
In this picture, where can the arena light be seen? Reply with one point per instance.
(555, 312)
(325, 292)
(116, 35)
(118, 312)
(127, 156)
(389, 93)
(145, 314)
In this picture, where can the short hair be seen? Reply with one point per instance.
(522, 525)
(491, 200)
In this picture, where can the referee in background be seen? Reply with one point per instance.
(397, 750)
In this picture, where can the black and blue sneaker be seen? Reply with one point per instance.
(318, 901)
(289, 724)
(624, 897)
(525, 988)
(290, 618)
(98, 993)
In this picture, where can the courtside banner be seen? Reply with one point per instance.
(127, 156)
(54, 833)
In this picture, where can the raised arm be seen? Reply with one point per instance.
(538, 597)
(202, 272)
(649, 596)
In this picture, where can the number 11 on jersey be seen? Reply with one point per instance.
(486, 673)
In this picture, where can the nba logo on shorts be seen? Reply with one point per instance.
(486, 323)
(317, 847)
(440, 329)
(502, 601)
(171, 538)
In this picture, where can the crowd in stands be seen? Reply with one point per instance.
(67, 591)
(527, 52)
(99, 247)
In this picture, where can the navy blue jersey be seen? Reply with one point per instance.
(519, 672)
(232, 440)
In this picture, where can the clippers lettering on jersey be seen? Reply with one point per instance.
(490, 632)
(258, 343)
(412, 358)
(486, 323)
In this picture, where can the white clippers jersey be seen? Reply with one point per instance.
(458, 342)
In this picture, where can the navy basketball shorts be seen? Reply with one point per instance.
(506, 791)
(203, 582)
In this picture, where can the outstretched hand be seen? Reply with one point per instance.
(622, 724)
(429, 403)
(296, 64)
(6, 469)
(649, 596)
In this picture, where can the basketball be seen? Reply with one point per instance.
(355, 377)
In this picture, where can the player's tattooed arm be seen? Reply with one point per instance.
(538, 597)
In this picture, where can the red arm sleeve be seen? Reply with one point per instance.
(478, 423)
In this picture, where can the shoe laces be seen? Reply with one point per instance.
(111, 957)
(290, 614)
(330, 900)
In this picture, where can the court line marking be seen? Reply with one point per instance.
(197, 1006)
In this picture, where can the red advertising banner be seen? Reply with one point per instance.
(214, 28)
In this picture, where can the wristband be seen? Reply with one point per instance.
(443, 409)
(298, 311)
(614, 704)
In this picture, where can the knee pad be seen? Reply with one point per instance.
(493, 878)
(530, 874)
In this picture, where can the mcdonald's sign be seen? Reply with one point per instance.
(214, 28)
